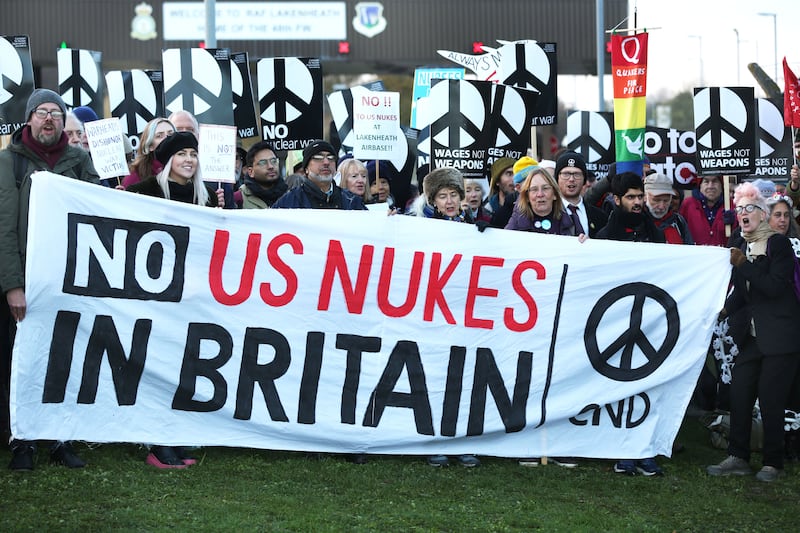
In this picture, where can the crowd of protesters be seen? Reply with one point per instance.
(559, 197)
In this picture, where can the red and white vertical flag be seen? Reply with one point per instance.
(791, 97)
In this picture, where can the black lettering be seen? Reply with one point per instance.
(616, 416)
(594, 409)
(629, 422)
(193, 367)
(60, 358)
(265, 375)
(355, 346)
(452, 390)
(309, 383)
(404, 355)
(488, 376)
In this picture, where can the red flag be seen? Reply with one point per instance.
(791, 97)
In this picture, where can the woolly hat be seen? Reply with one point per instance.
(442, 178)
(173, 144)
(85, 114)
(657, 184)
(500, 166)
(570, 159)
(316, 147)
(522, 168)
(385, 169)
(766, 187)
(41, 96)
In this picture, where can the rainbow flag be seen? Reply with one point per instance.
(629, 71)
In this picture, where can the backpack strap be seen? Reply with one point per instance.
(20, 167)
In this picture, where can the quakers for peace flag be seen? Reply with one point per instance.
(791, 97)
(629, 69)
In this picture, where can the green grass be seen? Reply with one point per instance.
(254, 490)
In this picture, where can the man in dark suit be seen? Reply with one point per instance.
(570, 172)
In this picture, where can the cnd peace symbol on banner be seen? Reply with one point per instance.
(198, 80)
(16, 81)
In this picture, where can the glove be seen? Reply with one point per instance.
(737, 257)
(729, 216)
(481, 225)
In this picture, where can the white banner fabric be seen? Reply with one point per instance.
(336, 331)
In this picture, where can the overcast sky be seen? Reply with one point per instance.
(674, 59)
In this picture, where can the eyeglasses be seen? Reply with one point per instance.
(272, 161)
(749, 208)
(55, 114)
(320, 157)
(571, 175)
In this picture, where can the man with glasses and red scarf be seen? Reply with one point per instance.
(40, 144)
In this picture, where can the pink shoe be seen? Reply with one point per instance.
(164, 457)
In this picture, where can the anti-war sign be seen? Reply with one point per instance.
(260, 330)
(80, 78)
(16, 81)
(136, 97)
(724, 124)
(198, 80)
(773, 140)
(591, 134)
(244, 112)
(290, 101)
(532, 65)
(341, 106)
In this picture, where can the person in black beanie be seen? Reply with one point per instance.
(180, 179)
(319, 190)
(40, 144)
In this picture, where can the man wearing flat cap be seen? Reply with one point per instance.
(658, 198)
(318, 190)
(40, 144)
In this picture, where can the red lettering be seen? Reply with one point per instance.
(384, 284)
(269, 297)
(436, 283)
(474, 291)
(336, 263)
(519, 288)
(218, 253)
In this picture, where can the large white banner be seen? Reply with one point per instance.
(160, 322)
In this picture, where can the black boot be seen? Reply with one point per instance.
(62, 454)
(22, 452)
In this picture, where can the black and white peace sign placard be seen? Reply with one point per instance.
(198, 80)
(724, 124)
(80, 78)
(16, 81)
(632, 353)
(591, 134)
(134, 98)
(290, 100)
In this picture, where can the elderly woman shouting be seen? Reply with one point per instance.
(764, 308)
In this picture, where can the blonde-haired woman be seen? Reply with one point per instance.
(180, 179)
(539, 207)
(353, 175)
(146, 165)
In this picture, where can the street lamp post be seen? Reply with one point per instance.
(738, 59)
(775, 38)
(699, 55)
